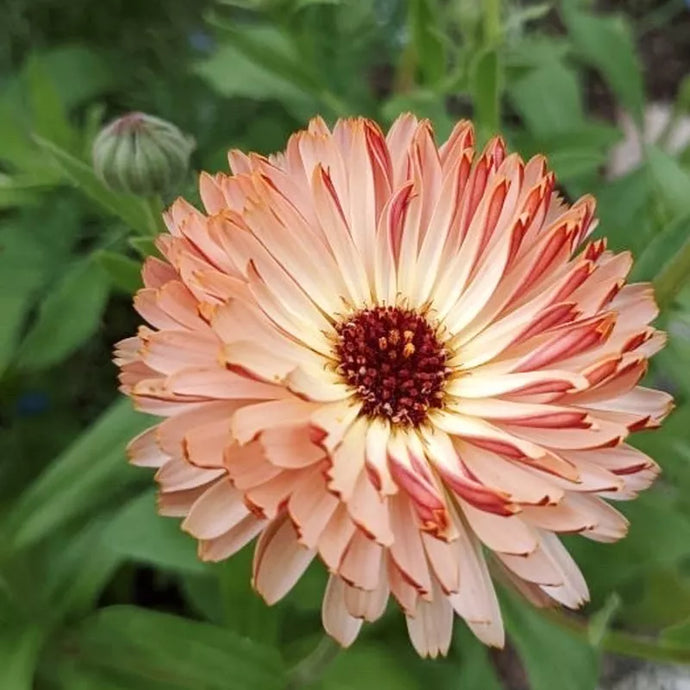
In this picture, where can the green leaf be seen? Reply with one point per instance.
(19, 648)
(24, 264)
(675, 357)
(301, 4)
(202, 593)
(624, 210)
(131, 209)
(13, 310)
(139, 533)
(553, 657)
(275, 51)
(146, 650)
(519, 17)
(81, 73)
(606, 43)
(535, 50)
(14, 134)
(49, 115)
(13, 193)
(78, 569)
(145, 246)
(660, 599)
(231, 73)
(485, 89)
(68, 316)
(124, 273)
(23, 261)
(677, 636)
(672, 182)
(244, 610)
(548, 99)
(662, 250)
(92, 469)
(427, 39)
(574, 162)
(377, 668)
(260, 63)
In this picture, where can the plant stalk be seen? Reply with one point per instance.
(311, 668)
(492, 22)
(620, 642)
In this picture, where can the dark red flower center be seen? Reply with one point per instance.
(394, 361)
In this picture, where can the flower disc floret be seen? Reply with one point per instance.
(393, 360)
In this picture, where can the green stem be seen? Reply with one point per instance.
(492, 22)
(154, 207)
(620, 642)
(311, 668)
(673, 276)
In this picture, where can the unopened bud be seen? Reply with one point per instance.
(141, 154)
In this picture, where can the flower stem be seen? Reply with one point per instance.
(620, 642)
(492, 22)
(311, 668)
(154, 208)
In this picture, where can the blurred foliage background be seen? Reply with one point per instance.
(96, 591)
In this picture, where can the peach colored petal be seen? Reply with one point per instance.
(204, 445)
(573, 592)
(143, 450)
(248, 422)
(361, 562)
(311, 507)
(534, 567)
(247, 466)
(369, 511)
(170, 351)
(215, 512)
(316, 384)
(333, 420)
(279, 560)
(368, 604)
(476, 599)
(509, 534)
(442, 557)
(178, 503)
(431, 626)
(232, 541)
(508, 478)
(336, 537)
(348, 461)
(178, 475)
(219, 384)
(269, 498)
(337, 620)
(290, 446)
(407, 551)
(376, 457)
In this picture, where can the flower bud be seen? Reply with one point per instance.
(141, 154)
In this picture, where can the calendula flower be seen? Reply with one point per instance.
(402, 359)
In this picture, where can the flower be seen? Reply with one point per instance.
(141, 154)
(398, 358)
